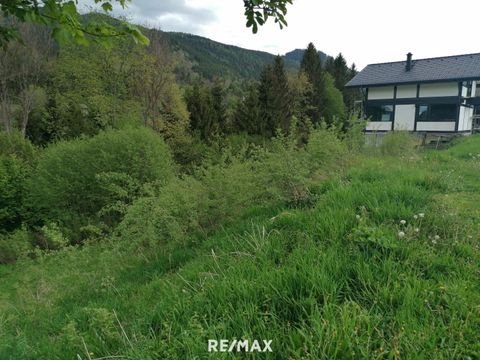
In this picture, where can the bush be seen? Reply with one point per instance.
(326, 149)
(398, 143)
(13, 144)
(13, 246)
(79, 183)
(221, 192)
(13, 177)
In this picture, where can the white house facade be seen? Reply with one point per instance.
(437, 95)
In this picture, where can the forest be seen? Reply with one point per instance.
(153, 197)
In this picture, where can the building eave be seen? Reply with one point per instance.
(414, 82)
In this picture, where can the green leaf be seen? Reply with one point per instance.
(106, 6)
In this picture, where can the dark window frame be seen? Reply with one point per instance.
(431, 118)
(469, 85)
(372, 119)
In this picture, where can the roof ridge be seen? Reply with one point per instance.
(431, 58)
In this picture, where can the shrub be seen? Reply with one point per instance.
(13, 177)
(14, 144)
(325, 148)
(75, 180)
(13, 246)
(221, 192)
(398, 143)
(17, 155)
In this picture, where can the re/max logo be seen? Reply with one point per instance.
(239, 346)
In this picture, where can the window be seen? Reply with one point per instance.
(437, 112)
(422, 113)
(469, 85)
(380, 112)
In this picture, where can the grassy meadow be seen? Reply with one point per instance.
(331, 253)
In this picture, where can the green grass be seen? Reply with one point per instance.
(321, 282)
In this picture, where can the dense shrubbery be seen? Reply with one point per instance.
(13, 176)
(13, 144)
(90, 181)
(17, 156)
(237, 180)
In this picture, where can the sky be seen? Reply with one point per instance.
(368, 31)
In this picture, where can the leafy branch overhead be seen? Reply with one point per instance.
(258, 12)
(64, 19)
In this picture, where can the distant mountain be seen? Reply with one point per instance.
(297, 55)
(213, 59)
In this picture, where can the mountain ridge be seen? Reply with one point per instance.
(213, 59)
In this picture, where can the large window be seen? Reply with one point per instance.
(380, 112)
(437, 112)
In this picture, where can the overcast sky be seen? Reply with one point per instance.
(367, 31)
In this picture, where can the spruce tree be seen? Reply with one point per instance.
(281, 96)
(311, 65)
(275, 107)
(218, 108)
(202, 113)
(340, 72)
(266, 100)
(248, 114)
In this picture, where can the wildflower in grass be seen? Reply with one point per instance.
(421, 215)
(434, 242)
(417, 230)
(437, 237)
(415, 217)
(402, 222)
(401, 234)
(358, 217)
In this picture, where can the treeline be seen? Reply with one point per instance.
(277, 101)
(51, 93)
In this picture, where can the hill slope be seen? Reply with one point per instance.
(344, 278)
(213, 59)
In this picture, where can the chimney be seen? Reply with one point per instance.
(408, 67)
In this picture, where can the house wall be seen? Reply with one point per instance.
(379, 126)
(379, 93)
(465, 119)
(406, 91)
(439, 89)
(405, 117)
(405, 101)
(436, 126)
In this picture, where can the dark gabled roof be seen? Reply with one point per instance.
(447, 68)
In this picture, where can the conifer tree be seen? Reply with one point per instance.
(281, 95)
(311, 65)
(200, 106)
(248, 114)
(266, 100)
(218, 108)
(340, 72)
(275, 107)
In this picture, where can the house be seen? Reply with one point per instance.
(436, 95)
